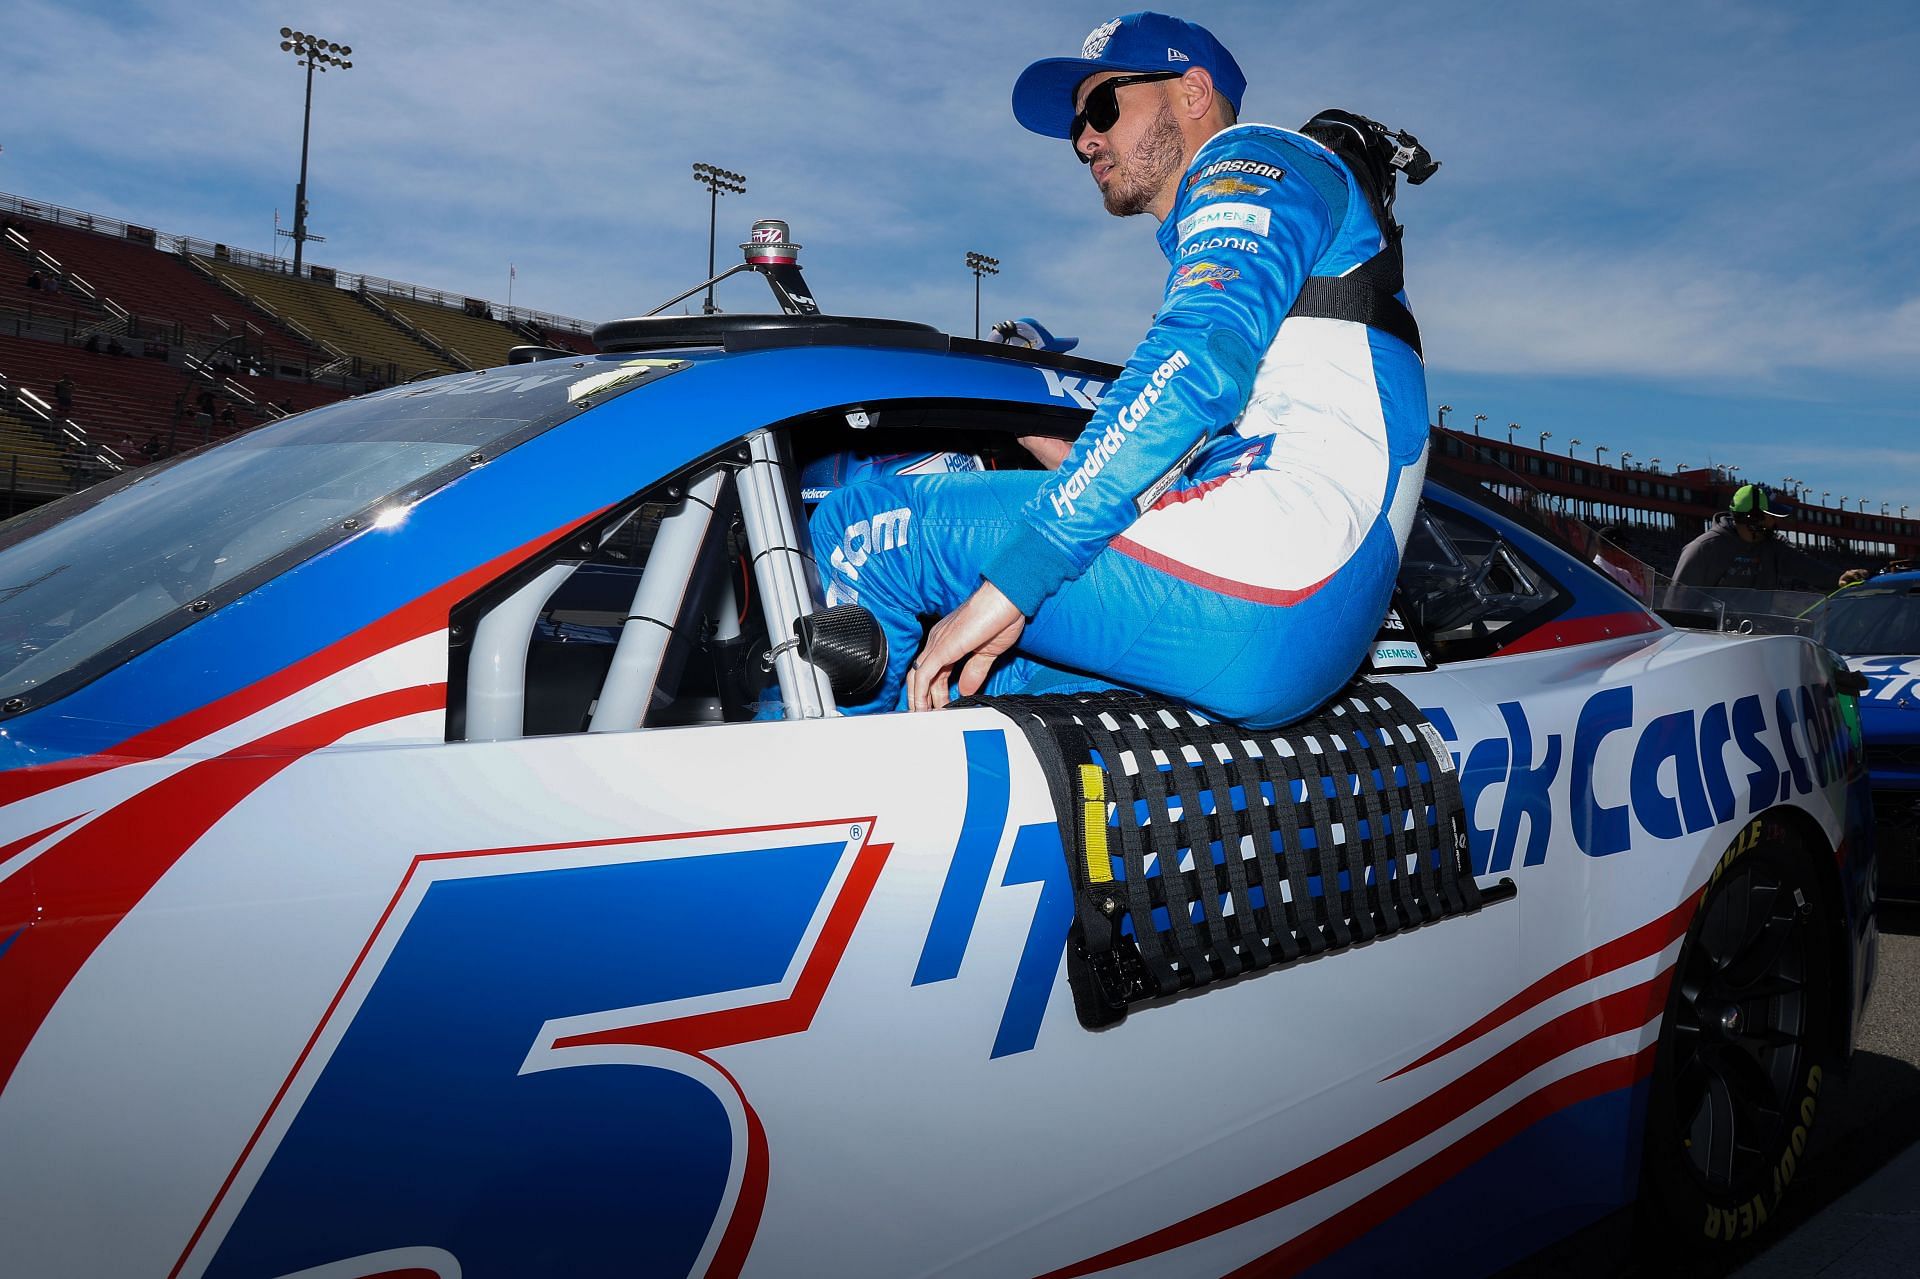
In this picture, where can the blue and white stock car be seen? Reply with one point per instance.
(425, 850)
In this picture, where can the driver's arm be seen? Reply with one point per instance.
(1192, 373)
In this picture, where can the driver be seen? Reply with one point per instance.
(1227, 528)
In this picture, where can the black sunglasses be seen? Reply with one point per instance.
(1102, 110)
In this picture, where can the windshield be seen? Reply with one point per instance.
(98, 577)
(1758, 612)
(1873, 619)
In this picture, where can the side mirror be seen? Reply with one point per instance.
(848, 647)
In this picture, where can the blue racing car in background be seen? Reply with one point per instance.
(1875, 626)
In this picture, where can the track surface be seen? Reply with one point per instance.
(1872, 1118)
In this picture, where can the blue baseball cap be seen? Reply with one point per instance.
(1043, 95)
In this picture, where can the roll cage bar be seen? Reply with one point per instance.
(757, 476)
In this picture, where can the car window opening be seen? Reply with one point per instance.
(682, 613)
(1468, 590)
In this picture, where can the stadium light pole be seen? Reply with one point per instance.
(1544, 437)
(1478, 418)
(1598, 449)
(1511, 428)
(1625, 457)
(1653, 464)
(981, 265)
(313, 53)
(1571, 446)
(1444, 410)
(716, 180)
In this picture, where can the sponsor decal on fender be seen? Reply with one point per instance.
(1110, 440)
(1211, 274)
(1227, 216)
(1688, 770)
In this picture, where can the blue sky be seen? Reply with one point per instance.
(1685, 230)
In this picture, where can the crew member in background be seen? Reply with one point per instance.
(1740, 552)
(1227, 528)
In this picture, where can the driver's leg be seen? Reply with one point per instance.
(911, 549)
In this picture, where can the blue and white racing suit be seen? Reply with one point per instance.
(1227, 528)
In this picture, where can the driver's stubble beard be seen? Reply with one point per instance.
(1154, 161)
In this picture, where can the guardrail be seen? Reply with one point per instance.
(347, 280)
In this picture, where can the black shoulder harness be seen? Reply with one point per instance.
(1376, 156)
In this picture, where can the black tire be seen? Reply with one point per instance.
(1744, 1050)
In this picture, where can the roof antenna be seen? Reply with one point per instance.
(770, 250)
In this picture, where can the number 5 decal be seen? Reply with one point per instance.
(517, 1073)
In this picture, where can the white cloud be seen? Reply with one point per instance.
(1545, 309)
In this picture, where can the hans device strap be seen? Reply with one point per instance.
(1376, 156)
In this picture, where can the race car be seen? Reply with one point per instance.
(428, 846)
(1875, 626)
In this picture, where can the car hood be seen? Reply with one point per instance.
(1890, 708)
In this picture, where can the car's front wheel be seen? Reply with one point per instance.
(1743, 1048)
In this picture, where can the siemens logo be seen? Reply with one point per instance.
(1690, 770)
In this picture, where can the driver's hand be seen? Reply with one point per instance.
(971, 637)
(1050, 451)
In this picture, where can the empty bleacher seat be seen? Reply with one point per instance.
(480, 343)
(335, 317)
(162, 287)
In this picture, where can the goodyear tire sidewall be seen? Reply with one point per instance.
(1676, 1201)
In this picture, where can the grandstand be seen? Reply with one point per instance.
(33, 464)
(474, 341)
(164, 299)
(346, 326)
(172, 342)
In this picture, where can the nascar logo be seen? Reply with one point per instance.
(1252, 168)
(1211, 274)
